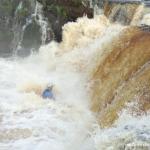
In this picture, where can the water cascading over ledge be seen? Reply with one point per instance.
(122, 76)
(109, 60)
(122, 13)
(117, 64)
(22, 26)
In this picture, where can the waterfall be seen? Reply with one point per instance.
(26, 15)
(97, 6)
(101, 77)
(127, 13)
(17, 30)
(42, 21)
(137, 15)
(19, 26)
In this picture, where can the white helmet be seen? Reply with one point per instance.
(50, 86)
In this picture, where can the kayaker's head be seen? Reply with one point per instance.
(50, 86)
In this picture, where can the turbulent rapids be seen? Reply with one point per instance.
(101, 77)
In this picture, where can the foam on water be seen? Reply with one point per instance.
(30, 123)
(146, 19)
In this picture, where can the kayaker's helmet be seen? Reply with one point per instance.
(50, 86)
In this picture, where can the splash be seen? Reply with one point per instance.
(83, 31)
(146, 19)
(129, 52)
(137, 15)
(94, 59)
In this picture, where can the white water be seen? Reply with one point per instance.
(27, 122)
(37, 15)
(56, 125)
(41, 20)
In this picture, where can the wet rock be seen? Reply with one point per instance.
(60, 12)
(32, 36)
(124, 76)
(6, 36)
(120, 12)
(14, 15)
(145, 28)
(19, 25)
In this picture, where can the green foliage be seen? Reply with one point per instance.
(22, 13)
(59, 10)
(43, 2)
(6, 7)
(77, 3)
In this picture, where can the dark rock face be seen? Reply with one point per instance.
(32, 36)
(21, 25)
(60, 12)
(14, 20)
(5, 39)
(6, 34)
